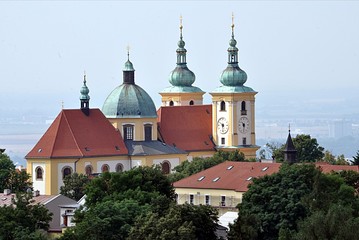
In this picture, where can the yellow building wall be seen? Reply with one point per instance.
(233, 198)
(182, 99)
(139, 126)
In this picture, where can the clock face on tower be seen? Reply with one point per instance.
(243, 125)
(222, 125)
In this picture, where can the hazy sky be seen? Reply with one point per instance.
(305, 48)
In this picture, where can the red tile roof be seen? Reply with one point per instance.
(186, 127)
(234, 178)
(73, 134)
(240, 175)
(327, 168)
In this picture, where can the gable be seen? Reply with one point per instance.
(74, 134)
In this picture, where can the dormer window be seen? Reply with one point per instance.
(171, 103)
(191, 102)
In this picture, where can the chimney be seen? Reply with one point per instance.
(7, 191)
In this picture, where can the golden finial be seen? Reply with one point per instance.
(232, 23)
(181, 22)
(128, 51)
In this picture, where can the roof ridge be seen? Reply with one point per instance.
(73, 136)
(57, 131)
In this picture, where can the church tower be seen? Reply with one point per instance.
(233, 108)
(85, 98)
(290, 153)
(181, 92)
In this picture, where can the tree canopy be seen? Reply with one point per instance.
(10, 178)
(23, 220)
(355, 160)
(74, 186)
(279, 205)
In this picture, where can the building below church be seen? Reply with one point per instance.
(130, 132)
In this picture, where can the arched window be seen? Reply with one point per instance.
(39, 173)
(191, 102)
(119, 167)
(223, 106)
(88, 170)
(243, 108)
(66, 171)
(105, 168)
(166, 167)
(171, 103)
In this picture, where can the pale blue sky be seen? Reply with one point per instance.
(308, 48)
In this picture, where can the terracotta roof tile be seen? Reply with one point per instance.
(237, 175)
(73, 134)
(186, 127)
(232, 176)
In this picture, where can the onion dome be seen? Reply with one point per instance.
(181, 75)
(85, 98)
(233, 77)
(129, 100)
(181, 78)
(84, 91)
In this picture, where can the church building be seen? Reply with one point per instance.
(130, 132)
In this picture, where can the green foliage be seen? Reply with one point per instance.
(355, 160)
(331, 159)
(16, 181)
(23, 220)
(74, 186)
(115, 200)
(107, 220)
(187, 168)
(337, 223)
(274, 204)
(180, 222)
(139, 179)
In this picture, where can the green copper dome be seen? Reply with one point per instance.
(233, 77)
(129, 100)
(181, 78)
(84, 91)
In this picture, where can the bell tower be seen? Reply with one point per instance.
(233, 108)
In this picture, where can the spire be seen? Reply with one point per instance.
(233, 75)
(181, 51)
(84, 97)
(290, 153)
(128, 70)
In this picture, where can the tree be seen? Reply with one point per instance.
(107, 220)
(355, 160)
(74, 186)
(337, 223)
(115, 200)
(142, 179)
(273, 205)
(23, 219)
(187, 168)
(10, 178)
(180, 222)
